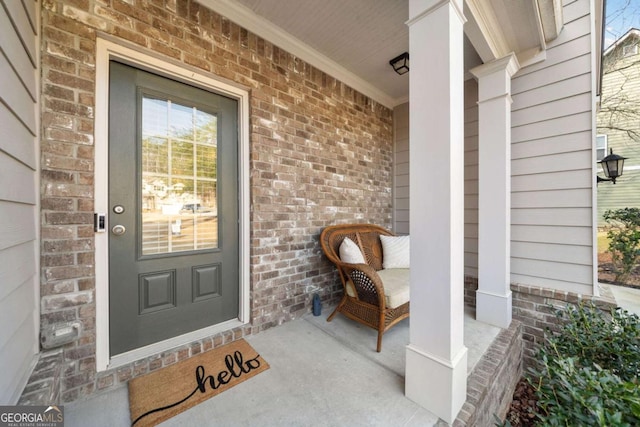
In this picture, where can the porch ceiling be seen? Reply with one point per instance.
(354, 40)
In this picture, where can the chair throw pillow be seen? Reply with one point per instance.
(350, 252)
(395, 251)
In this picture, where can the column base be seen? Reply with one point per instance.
(438, 385)
(494, 309)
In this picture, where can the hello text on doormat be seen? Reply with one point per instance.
(160, 395)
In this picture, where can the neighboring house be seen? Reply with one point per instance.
(618, 121)
(487, 161)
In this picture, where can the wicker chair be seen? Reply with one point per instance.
(364, 298)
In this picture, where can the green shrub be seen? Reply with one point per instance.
(589, 369)
(569, 395)
(610, 340)
(624, 240)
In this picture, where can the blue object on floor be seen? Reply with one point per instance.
(317, 306)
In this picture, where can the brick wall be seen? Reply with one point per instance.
(535, 308)
(470, 288)
(321, 153)
(491, 384)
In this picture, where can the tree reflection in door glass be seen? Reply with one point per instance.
(179, 177)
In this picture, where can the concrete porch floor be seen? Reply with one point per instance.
(321, 374)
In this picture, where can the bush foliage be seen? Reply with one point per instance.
(588, 372)
(624, 240)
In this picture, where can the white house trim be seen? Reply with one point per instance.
(107, 50)
(485, 31)
(550, 19)
(596, 59)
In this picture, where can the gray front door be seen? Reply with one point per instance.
(173, 208)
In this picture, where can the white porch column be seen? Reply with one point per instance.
(436, 369)
(493, 298)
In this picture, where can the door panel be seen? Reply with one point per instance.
(173, 177)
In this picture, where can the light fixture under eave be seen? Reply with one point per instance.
(612, 167)
(400, 63)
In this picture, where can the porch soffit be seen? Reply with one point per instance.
(354, 40)
(319, 32)
(499, 27)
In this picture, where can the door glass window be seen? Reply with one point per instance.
(179, 177)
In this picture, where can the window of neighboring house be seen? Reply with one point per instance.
(629, 50)
(601, 146)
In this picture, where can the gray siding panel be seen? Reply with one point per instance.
(20, 146)
(571, 254)
(23, 24)
(551, 180)
(12, 48)
(551, 225)
(16, 267)
(564, 143)
(17, 358)
(16, 96)
(18, 201)
(560, 235)
(569, 217)
(22, 180)
(579, 122)
(553, 74)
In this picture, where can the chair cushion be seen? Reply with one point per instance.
(350, 252)
(396, 286)
(351, 289)
(395, 251)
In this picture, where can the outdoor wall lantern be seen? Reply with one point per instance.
(612, 167)
(400, 63)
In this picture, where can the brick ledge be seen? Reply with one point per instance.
(491, 384)
(43, 387)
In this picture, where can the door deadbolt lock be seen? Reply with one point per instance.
(118, 209)
(118, 230)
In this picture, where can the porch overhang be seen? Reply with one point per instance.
(498, 27)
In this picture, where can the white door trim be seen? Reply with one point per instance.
(107, 50)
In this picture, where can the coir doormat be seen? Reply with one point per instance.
(162, 394)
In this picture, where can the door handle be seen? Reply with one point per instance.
(118, 230)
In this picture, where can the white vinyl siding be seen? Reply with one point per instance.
(401, 169)
(19, 283)
(551, 200)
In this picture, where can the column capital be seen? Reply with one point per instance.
(494, 78)
(419, 9)
(508, 63)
